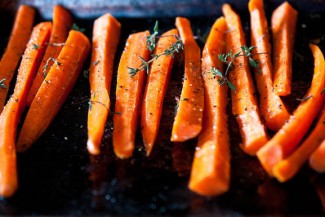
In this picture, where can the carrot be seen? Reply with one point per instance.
(287, 138)
(106, 36)
(210, 174)
(11, 113)
(244, 105)
(283, 24)
(188, 121)
(272, 108)
(155, 90)
(316, 160)
(62, 22)
(129, 94)
(287, 168)
(20, 34)
(54, 89)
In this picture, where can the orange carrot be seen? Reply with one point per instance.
(129, 94)
(272, 108)
(106, 36)
(17, 43)
(11, 113)
(62, 22)
(287, 138)
(316, 160)
(188, 121)
(210, 174)
(54, 89)
(287, 168)
(154, 94)
(244, 105)
(283, 24)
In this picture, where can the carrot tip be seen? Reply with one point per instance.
(92, 148)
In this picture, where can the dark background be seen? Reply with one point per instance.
(58, 177)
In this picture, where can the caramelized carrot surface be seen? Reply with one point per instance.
(11, 113)
(283, 23)
(272, 109)
(20, 34)
(188, 121)
(129, 94)
(316, 160)
(244, 105)
(106, 36)
(154, 94)
(54, 89)
(210, 174)
(62, 22)
(287, 168)
(288, 137)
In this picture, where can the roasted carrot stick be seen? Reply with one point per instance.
(283, 24)
(106, 36)
(287, 138)
(210, 174)
(129, 94)
(316, 160)
(154, 94)
(188, 121)
(17, 43)
(62, 21)
(244, 105)
(54, 89)
(287, 168)
(11, 113)
(272, 108)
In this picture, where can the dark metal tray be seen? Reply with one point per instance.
(58, 177)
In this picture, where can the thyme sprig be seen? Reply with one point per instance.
(77, 28)
(46, 66)
(305, 98)
(151, 42)
(229, 59)
(2, 85)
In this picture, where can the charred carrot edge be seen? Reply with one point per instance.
(287, 168)
(210, 174)
(54, 89)
(62, 21)
(288, 137)
(106, 36)
(316, 160)
(154, 94)
(129, 94)
(11, 114)
(244, 105)
(272, 109)
(188, 121)
(283, 24)
(17, 43)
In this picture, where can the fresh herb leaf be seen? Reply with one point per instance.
(77, 28)
(86, 73)
(253, 63)
(35, 46)
(2, 85)
(151, 39)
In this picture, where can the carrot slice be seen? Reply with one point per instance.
(188, 121)
(54, 89)
(210, 174)
(129, 94)
(154, 94)
(62, 21)
(244, 105)
(316, 160)
(272, 108)
(287, 138)
(106, 36)
(283, 24)
(11, 113)
(287, 168)
(17, 43)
